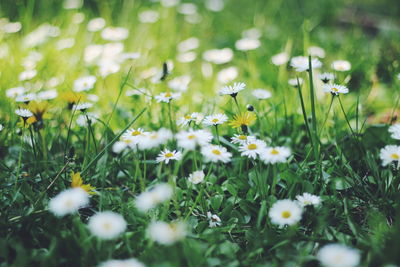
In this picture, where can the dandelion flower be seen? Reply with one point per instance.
(285, 212)
(153, 197)
(395, 131)
(275, 154)
(216, 153)
(77, 182)
(233, 90)
(132, 262)
(308, 199)
(261, 94)
(107, 224)
(166, 233)
(214, 120)
(252, 149)
(167, 155)
(68, 201)
(389, 154)
(335, 89)
(243, 120)
(196, 177)
(341, 65)
(337, 255)
(214, 220)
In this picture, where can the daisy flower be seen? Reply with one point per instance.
(196, 177)
(261, 94)
(25, 98)
(168, 155)
(341, 65)
(82, 106)
(280, 59)
(308, 199)
(389, 154)
(216, 153)
(15, 91)
(68, 201)
(243, 120)
(316, 51)
(214, 120)
(293, 82)
(218, 56)
(190, 139)
(24, 113)
(132, 262)
(395, 131)
(154, 139)
(247, 44)
(107, 224)
(301, 63)
(275, 154)
(335, 89)
(252, 148)
(187, 119)
(180, 83)
(84, 83)
(47, 95)
(167, 97)
(337, 255)
(326, 77)
(153, 197)
(232, 90)
(227, 75)
(285, 212)
(214, 220)
(114, 34)
(1, 127)
(242, 139)
(166, 233)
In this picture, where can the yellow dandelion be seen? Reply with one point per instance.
(78, 182)
(243, 120)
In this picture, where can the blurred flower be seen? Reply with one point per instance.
(337, 255)
(1, 127)
(96, 24)
(169, 3)
(25, 98)
(107, 225)
(187, 119)
(84, 83)
(389, 154)
(280, 59)
(148, 16)
(308, 199)
(47, 95)
(218, 56)
(395, 131)
(68, 201)
(293, 82)
(326, 77)
(167, 97)
(242, 139)
(196, 177)
(216, 119)
(76, 181)
(227, 75)
(285, 212)
(180, 83)
(301, 63)
(216, 153)
(12, 27)
(114, 34)
(252, 33)
(261, 94)
(214, 5)
(186, 57)
(335, 89)
(65, 43)
(243, 120)
(187, 9)
(153, 197)
(27, 75)
(275, 154)
(191, 138)
(24, 113)
(188, 44)
(82, 106)
(252, 148)
(247, 44)
(232, 90)
(341, 65)
(316, 51)
(167, 233)
(72, 4)
(167, 155)
(132, 262)
(15, 91)
(213, 219)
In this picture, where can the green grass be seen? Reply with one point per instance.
(335, 142)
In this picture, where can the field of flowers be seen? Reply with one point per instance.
(199, 133)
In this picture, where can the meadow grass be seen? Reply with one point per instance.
(104, 122)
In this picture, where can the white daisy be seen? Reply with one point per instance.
(25, 98)
(389, 154)
(15, 91)
(168, 155)
(280, 59)
(180, 83)
(132, 262)
(96, 24)
(48, 94)
(316, 51)
(247, 44)
(218, 56)
(216, 153)
(285, 212)
(293, 82)
(114, 34)
(261, 94)
(341, 65)
(301, 63)
(242, 139)
(216, 119)
(167, 233)
(252, 148)
(337, 255)
(167, 97)
(84, 83)
(275, 154)
(188, 44)
(69, 201)
(82, 106)
(335, 89)
(227, 75)
(27, 75)
(148, 16)
(196, 177)
(24, 113)
(214, 220)
(232, 90)
(187, 119)
(326, 77)
(395, 131)
(191, 138)
(107, 224)
(308, 199)
(153, 197)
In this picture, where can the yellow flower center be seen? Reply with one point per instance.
(394, 156)
(286, 214)
(127, 141)
(169, 155)
(216, 152)
(69, 203)
(135, 133)
(274, 152)
(106, 226)
(153, 136)
(335, 89)
(215, 120)
(252, 146)
(242, 137)
(188, 117)
(192, 136)
(168, 95)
